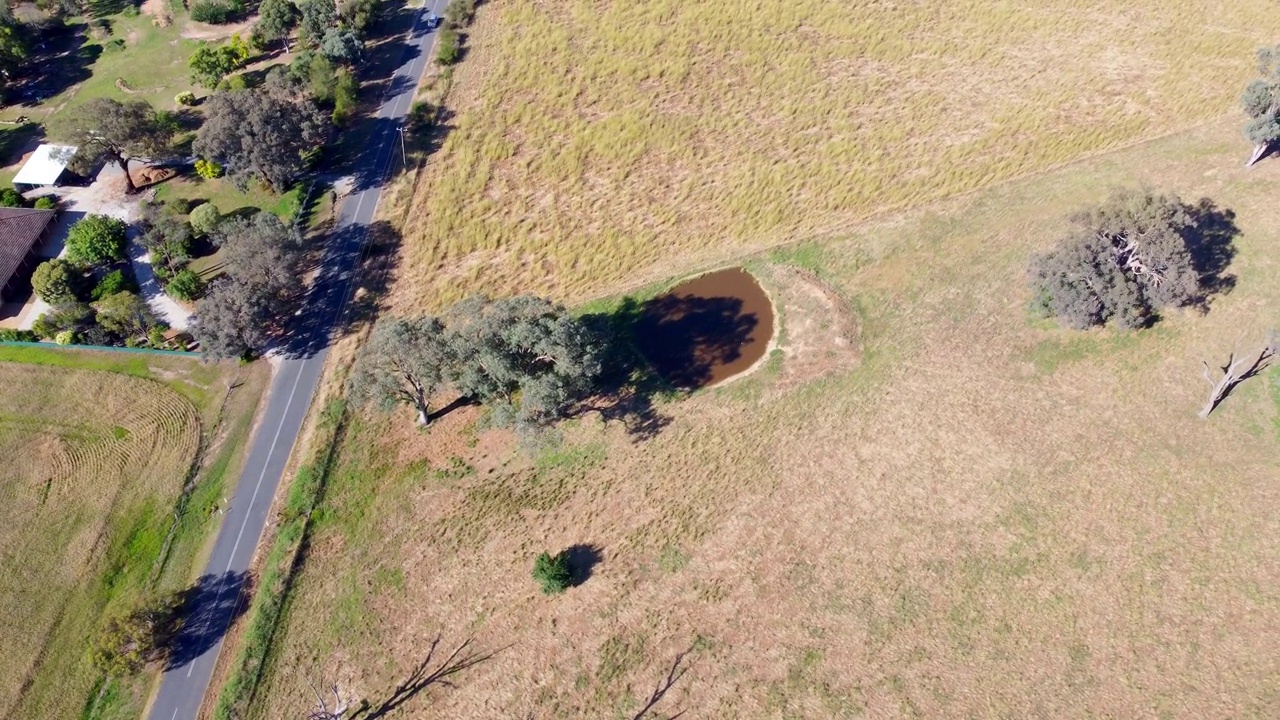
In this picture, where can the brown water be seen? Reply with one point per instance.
(706, 329)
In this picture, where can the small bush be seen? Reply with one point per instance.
(155, 337)
(66, 337)
(346, 93)
(113, 45)
(449, 46)
(552, 573)
(54, 282)
(186, 97)
(112, 283)
(11, 198)
(214, 13)
(46, 202)
(180, 206)
(130, 11)
(186, 285)
(234, 83)
(205, 218)
(460, 13)
(208, 169)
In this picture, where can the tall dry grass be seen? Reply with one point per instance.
(596, 141)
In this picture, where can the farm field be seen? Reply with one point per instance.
(927, 503)
(107, 443)
(593, 144)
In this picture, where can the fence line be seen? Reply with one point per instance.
(110, 348)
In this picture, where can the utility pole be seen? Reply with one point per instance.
(404, 156)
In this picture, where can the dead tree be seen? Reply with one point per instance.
(1236, 371)
(323, 711)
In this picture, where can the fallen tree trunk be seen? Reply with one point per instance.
(1234, 373)
(1258, 151)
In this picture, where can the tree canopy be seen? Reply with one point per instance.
(120, 132)
(317, 16)
(257, 134)
(230, 319)
(261, 251)
(276, 19)
(95, 240)
(1122, 261)
(124, 313)
(209, 64)
(527, 358)
(402, 362)
(1261, 102)
(167, 237)
(54, 282)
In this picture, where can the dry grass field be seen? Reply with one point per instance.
(597, 143)
(926, 504)
(95, 462)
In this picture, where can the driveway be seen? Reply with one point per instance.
(105, 196)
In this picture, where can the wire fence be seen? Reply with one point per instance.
(108, 348)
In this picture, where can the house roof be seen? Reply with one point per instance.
(20, 229)
(45, 165)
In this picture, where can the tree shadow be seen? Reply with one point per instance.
(582, 561)
(209, 607)
(1211, 241)
(686, 337)
(628, 386)
(58, 60)
(677, 671)
(1232, 380)
(422, 677)
(18, 140)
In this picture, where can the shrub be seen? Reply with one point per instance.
(112, 283)
(186, 97)
(460, 13)
(552, 573)
(208, 169)
(234, 83)
(11, 198)
(54, 282)
(46, 202)
(180, 206)
(186, 285)
(449, 46)
(11, 335)
(66, 337)
(205, 218)
(422, 115)
(95, 240)
(113, 45)
(345, 96)
(155, 337)
(214, 13)
(70, 316)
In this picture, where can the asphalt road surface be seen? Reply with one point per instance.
(186, 679)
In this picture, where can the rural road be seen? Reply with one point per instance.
(187, 678)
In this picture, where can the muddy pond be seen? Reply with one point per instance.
(706, 329)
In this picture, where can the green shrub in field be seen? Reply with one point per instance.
(54, 281)
(11, 198)
(66, 337)
(345, 96)
(112, 283)
(179, 206)
(205, 218)
(212, 12)
(449, 46)
(96, 240)
(208, 169)
(186, 97)
(186, 285)
(46, 202)
(552, 573)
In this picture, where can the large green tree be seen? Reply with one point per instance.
(120, 132)
(276, 19)
(125, 314)
(525, 355)
(261, 251)
(1261, 101)
(404, 362)
(209, 64)
(96, 240)
(230, 321)
(317, 17)
(128, 642)
(258, 134)
(1122, 261)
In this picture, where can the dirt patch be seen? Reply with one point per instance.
(821, 331)
(204, 31)
(158, 10)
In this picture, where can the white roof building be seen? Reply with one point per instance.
(45, 165)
